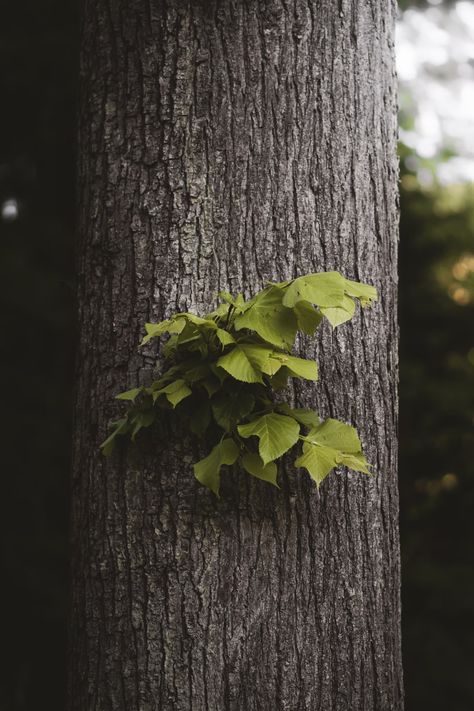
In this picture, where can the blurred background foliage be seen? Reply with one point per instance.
(437, 443)
(38, 84)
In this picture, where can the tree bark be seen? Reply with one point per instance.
(224, 143)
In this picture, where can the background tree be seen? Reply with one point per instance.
(223, 144)
(437, 356)
(436, 409)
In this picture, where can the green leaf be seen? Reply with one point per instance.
(212, 384)
(172, 325)
(207, 470)
(247, 362)
(189, 334)
(238, 303)
(339, 314)
(267, 316)
(196, 373)
(167, 376)
(279, 381)
(188, 327)
(336, 434)
(219, 373)
(325, 289)
(279, 284)
(129, 394)
(357, 462)
(200, 418)
(225, 337)
(225, 296)
(307, 316)
(306, 417)
(263, 358)
(220, 312)
(329, 290)
(318, 461)
(300, 367)
(121, 427)
(140, 420)
(229, 408)
(204, 323)
(364, 292)
(329, 445)
(276, 433)
(238, 364)
(267, 362)
(175, 392)
(169, 348)
(254, 466)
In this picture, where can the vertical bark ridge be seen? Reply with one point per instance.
(224, 143)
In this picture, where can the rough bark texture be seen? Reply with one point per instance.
(225, 143)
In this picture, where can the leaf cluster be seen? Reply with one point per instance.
(222, 371)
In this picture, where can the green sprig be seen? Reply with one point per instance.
(222, 372)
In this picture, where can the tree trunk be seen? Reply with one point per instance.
(224, 143)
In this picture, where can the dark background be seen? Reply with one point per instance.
(38, 88)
